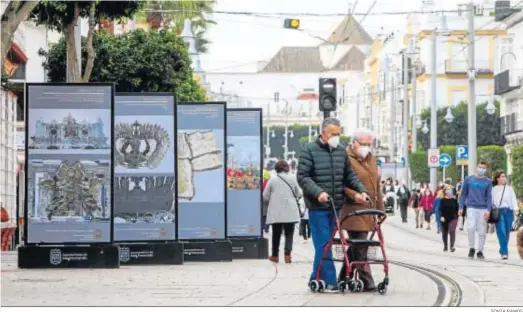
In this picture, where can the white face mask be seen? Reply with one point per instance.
(334, 141)
(363, 151)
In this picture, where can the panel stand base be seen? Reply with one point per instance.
(170, 253)
(208, 251)
(87, 256)
(250, 248)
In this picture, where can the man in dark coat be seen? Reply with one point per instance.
(324, 170)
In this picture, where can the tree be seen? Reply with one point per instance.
(160, 14)
(15, 13)
(138, 61)
(455, 133)
(517, 169)
(64, 15)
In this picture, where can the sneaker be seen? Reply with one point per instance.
(471, 253)
(417, 226)
(445, 249)
(332, 288)
(452, 249)
(504, 257)
(480, 255)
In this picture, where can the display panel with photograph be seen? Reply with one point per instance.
(69, 163)
(145, 175)
(201, 170)
(244, 172)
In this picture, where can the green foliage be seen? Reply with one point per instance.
(418, 166)
(455, 133)
(58, 14)
(517, 169)
(156, 13)
(138, 61)
(276, 142)
(493, 154)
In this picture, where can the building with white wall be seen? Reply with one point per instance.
(509, 81)
(23, 64)
(293, 74)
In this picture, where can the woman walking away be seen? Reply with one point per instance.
(449, 207)
(503, 198)
(414, 203)
(427, 203)
(282, 194)
(440, 193)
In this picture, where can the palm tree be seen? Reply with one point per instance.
(174, 13)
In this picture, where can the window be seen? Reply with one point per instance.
(506, 57)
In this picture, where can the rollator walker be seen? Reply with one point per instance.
(345, 245)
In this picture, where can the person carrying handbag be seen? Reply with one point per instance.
(505, 204)
(282, 194)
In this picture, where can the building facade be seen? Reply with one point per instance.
(286, 87)
(509, 81)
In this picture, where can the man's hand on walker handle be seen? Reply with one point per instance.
(323, 197)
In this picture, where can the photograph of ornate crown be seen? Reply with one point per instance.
(140, 145)
(144, 199)
(71, 190)
(69, 134)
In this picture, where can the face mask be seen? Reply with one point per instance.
(334, 141)
(481, 171)
(363, 151)
(450, 193)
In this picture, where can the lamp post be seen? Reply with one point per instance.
(425, 129)
(442, 30)
(286, 135)
(449, 117)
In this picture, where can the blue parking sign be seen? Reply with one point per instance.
(462, 155)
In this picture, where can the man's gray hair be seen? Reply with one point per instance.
(362, 132)
(330, 121)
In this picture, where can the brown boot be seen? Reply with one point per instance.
(274, 259)
(288, 259)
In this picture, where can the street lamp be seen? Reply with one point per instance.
(425, 129)
(449, 117)
(491, 108)
(286, 135)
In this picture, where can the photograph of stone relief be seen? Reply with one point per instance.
(63, 190)
(75, 130)
(200, 155)
(144, 145)
(144, 199)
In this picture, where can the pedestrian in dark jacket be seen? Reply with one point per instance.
(324, 170)
(403, 195)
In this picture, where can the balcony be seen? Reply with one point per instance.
(511, 124)
(462, 67)
(508, 80)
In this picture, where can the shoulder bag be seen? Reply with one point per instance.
(494, 213)
(295, 197)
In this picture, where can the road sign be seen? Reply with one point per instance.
(462, 155)
(445, 160)
(433, 158)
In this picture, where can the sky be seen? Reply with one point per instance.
(238, 41)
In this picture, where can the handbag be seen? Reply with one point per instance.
(295, 197)
(494, 213)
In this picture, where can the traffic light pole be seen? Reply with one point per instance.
(326, 114)
(406, 117)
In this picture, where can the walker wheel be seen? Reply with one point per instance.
(359, 286)
(322, 286)
(351, 285)
(314, 286)
(342, 285)
(382, 288)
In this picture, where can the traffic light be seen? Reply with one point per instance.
(291, 23)
(327, 94)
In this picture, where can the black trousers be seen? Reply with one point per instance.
(288, 231)
(358, 254)
(403, 211)
(305, 229)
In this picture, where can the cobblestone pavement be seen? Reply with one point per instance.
(259, 282)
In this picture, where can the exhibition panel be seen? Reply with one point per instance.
(201, 155)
